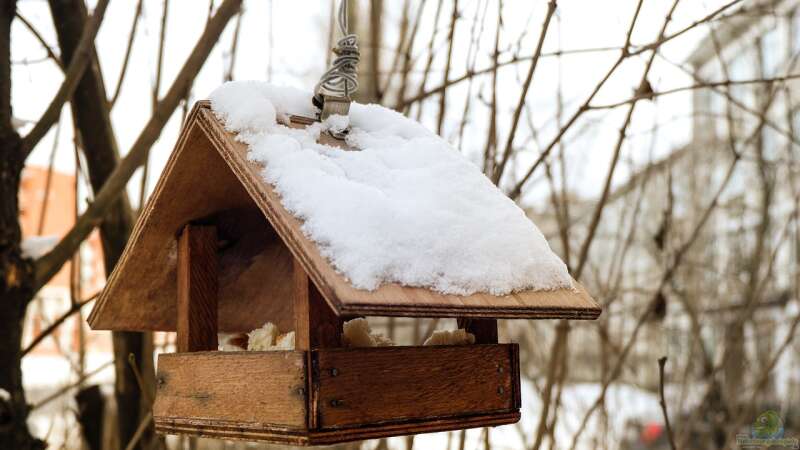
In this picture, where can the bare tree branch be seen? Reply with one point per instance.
(38, 36)
(661, 363)
(126, 59)
(49, 264)
(498, 173)
(74, 308)
(448, 61)
(72, 77)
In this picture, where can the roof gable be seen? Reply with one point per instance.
(257, 249)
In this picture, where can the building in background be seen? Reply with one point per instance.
(70, 355)
(47, 212)
(753, 239)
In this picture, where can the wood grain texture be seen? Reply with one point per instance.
(139, 298)
(316, 325)
(198, 286)
(328, 437)
(255, 287)
(280, 435)
(355, 387)
(233, 389)
(383, 392)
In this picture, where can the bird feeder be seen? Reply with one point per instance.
(214, 250)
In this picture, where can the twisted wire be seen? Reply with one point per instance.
(341, 79)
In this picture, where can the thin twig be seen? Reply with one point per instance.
(73, 75)
(155, 94)
(661, 363)
(423, 94)
(490, 148)
(140, 431)
(498, 173)
(139, 380)
(49, 264)
(448, 61)
(38, 36)
(71, 386)
(714, 84)
(404, 105)
(55, 324)
(234, 47)
(48, 180)
(127, 57)
(625, 54)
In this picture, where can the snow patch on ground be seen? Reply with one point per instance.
(37, 246)
(407, 208)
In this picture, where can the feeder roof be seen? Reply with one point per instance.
(210, 178)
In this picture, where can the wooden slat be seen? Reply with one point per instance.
(198, 274)
(355, 387)
(280, 435)
(335, 436)
(241, 388)
(316, 325)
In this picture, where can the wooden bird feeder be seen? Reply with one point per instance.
(215, 251)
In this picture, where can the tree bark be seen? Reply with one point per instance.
(91, 115)
(16, 273)
(91, 409)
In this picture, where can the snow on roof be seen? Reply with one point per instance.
(406, 208)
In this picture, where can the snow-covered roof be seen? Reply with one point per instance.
(403, 226)
(406, 208)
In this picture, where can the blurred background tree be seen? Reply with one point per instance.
(654, 143)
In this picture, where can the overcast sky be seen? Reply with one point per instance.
(299, 44)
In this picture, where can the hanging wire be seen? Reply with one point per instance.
(341, 79)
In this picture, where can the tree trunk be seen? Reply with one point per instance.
(91, 116)
(16, 273)
(91, 410)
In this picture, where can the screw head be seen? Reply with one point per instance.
(336, 403)
(334, 372)
(500, 390)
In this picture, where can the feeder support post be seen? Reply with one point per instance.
(198, 285)
(485, 330)
(316, 325)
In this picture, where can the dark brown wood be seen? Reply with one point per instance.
(239, 389)
(381, 392)
(485, 330)
(514, 351)
(198, 274)
(371, 385)
(333, 436)
(316, 325)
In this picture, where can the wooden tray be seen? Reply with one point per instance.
(328, 396)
